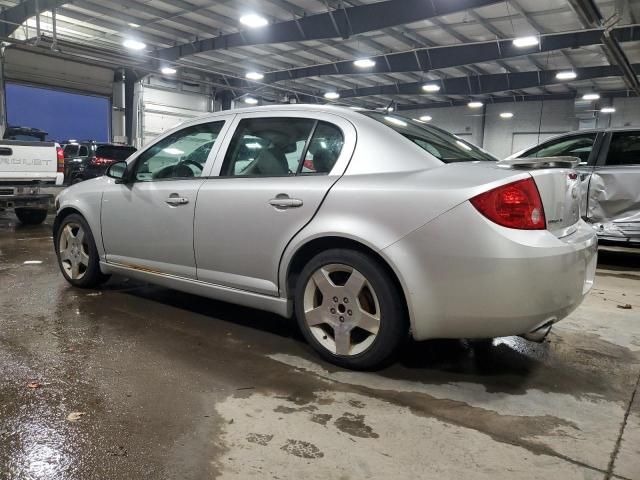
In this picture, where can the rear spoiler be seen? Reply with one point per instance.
(541, 162)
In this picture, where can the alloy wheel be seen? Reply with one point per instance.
(74, 251)
(341, 309)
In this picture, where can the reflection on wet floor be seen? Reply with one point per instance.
(172, 385)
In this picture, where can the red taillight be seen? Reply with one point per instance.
(515, 205)
(101, 161)
(60, 158)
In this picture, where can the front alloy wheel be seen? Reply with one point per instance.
(350, 309)
(74, 251)
(77, 253)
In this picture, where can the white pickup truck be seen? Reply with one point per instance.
(25, 168)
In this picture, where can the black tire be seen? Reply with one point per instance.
(31, 216)
(394, 326)
(92, 276)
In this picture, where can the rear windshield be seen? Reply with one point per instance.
(114, 152)
(444, 146)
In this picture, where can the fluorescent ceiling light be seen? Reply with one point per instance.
(364, 63)
(569, 75)
(522, 42)
(431, 87)
(254, 76)
(253, 20)
(396, 121)
(133, 25)
(426, 118)
(132, 44)
(475, 104)
(251, 100)
(607, 110)
(506, 115)
(390, 109)
(590, 96)
(169, 71)
(331, 95)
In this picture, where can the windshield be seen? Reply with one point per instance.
(444, 146)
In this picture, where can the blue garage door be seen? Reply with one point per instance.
(63, 115)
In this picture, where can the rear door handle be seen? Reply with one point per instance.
(175, 200)
(283, 201)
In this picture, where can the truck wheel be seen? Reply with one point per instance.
(31, 216)
(77, 253)
(349, 310)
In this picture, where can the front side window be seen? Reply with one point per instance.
(444, 146)
(576, 146)
(624, 149)
(182, 154)
(267, 147)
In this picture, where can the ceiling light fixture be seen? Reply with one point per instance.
(364, 63)
(169, 71)
(253, 20)
(332, 95)
(426, 118)
(591, 96)
(254, 76)
(431, 87)
(569, 75)
(607, 110)
(475, 104)
(506, 115)
(132, 44)
(251, 100)
(522, 42)
(133, 25)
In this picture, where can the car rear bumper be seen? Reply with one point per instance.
(42, 201)
(466, 277)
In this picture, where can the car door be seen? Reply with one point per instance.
(269, 180)
(585, 146)
(614, 193)
(147, 220)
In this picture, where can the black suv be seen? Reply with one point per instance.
(85, 160)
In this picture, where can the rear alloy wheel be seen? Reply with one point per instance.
(31, 216)
(77, 253)
(349, 310)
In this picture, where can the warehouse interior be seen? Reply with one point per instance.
(132, 380)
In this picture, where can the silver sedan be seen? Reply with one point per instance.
(367, 226)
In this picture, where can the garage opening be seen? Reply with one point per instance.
(63, 115)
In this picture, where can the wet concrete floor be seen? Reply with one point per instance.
(133, 382)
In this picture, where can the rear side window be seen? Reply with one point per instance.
(575, 146)
(84, 152)
(114, 152)
(624, 149)
(267, 147)
(324, 149)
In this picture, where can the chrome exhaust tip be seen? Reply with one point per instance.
(539, 334)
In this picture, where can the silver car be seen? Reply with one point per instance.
(366, 226)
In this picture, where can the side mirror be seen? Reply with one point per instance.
(117, 171)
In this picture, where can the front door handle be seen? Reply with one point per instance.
(175, 199)
(283, 201)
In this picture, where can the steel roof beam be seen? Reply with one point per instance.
(350, 21)
(486, 84)
(435, 58)
(12, 18)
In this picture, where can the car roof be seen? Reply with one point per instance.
(346, 112)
